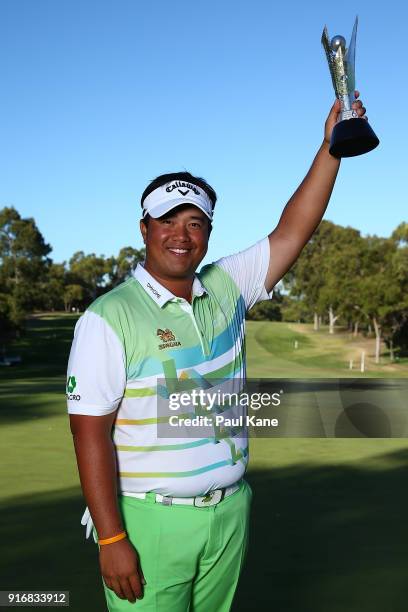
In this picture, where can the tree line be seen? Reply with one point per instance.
(30, 281)
(341, 277)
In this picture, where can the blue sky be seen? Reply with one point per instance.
(100, 97)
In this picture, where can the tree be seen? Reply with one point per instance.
(120, 267)
(267, 310)
(400, 235)
(295, 309)
(395, 320)
(53, 287)
(304, 281)
(73, 295)
(327, 263)
(89, 271)
(356, 279)
(380, 288)
(23, 263)
(341, 271)
(6, 325)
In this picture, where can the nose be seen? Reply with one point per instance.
(180, 232)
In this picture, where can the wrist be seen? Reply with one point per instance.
(111, 540)
(324, 149)
(120, 545)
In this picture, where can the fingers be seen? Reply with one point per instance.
(136, 586)
(120, 568)
(129, 587)
(126, 588)
(359, 108)
(115, 585)
(335, 109)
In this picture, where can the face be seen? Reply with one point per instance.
(176, 243)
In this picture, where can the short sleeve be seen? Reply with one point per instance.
(96, 377)
(248, 269)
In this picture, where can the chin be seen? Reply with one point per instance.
(183, 268)
(181, 272)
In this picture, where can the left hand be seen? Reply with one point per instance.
(334, 113)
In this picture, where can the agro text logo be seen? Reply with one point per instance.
(71, 384)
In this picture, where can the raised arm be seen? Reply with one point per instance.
(305, 209)
(96, 460)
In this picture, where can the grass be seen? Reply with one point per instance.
(329, 515)
(272, 353)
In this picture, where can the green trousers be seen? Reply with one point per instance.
(191, 557)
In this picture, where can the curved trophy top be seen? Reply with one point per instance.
(351, 59)
(341, 61)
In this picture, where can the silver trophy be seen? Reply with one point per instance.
(351, 135)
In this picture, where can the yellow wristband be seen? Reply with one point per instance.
(115, 538)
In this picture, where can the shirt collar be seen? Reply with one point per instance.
(157, 292)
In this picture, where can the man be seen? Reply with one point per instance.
(171, 516)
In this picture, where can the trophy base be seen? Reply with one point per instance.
(352, 137)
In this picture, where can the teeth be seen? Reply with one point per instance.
(179, 250)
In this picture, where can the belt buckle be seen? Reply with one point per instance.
(212, 498)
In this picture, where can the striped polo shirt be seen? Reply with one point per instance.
(140, 333)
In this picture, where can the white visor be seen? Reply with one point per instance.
(168, 196)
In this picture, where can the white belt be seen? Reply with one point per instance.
(212, 497)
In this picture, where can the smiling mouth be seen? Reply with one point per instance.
(179, 252)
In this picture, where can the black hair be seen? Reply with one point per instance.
(179, 176)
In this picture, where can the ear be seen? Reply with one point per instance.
(143, 230)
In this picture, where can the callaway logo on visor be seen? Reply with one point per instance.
(165, 198)
(178, 184)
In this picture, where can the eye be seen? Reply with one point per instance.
(166, 221)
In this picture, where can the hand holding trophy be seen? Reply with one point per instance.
(352, 135)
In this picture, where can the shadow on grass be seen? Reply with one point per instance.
(328, 539)
(323, 539)
(36, 398)
(45, 549)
